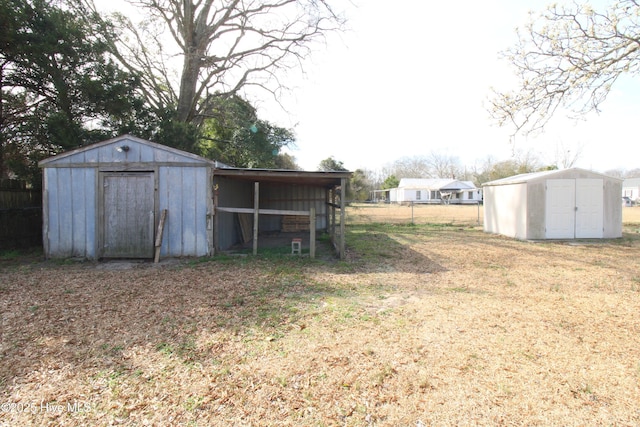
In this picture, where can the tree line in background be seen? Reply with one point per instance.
(71, 76)
(436, 165)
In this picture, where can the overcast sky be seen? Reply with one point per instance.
(412, 77)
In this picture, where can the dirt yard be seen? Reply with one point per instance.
(435, 323)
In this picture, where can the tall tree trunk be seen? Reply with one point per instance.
(189, 80)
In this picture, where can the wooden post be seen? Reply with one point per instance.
(333, 216)
(327, 202)
(216, 220)
(343, 193)
(163, 217)
(256, 208)
(312, 233)
(412, 212)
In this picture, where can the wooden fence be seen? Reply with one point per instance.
(20, 215)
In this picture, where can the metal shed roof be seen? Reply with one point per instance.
(321, 179)
(527, 177)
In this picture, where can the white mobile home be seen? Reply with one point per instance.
(559, 204)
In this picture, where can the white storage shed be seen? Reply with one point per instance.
(559, 204)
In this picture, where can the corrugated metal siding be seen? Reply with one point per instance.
(71, 207)
(239, 194)
(232, 194)
(291, 197)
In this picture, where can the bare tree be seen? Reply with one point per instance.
(567, 156)
(569, 58)
(224, 45)
(409, 167)
(444, 166)
(633, 173)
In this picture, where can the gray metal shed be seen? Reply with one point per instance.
(105, 200)
(559, 204)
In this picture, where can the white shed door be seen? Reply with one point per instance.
(575, 208)
(589, 208)
(128, 206)
(560, 213)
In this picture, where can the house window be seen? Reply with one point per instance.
(418, 195)
(433, 194)
(470, 196)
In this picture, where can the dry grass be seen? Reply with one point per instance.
(422, 325)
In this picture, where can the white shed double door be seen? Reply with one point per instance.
(574, 208)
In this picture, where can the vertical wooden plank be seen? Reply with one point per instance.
(312, 232)
(91, 214)
(327, 204)
(146, 153)
(189, 211)
(333, 216)
(210, 212)
(202, 197)
(129, 215)
(343, 187)
(100, 214)
(158, 242)
(216, 219)
(65, 209)
(174, 204)
(45, 214)
(256, 209)
(78, 220)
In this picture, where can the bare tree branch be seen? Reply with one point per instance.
(225, 46)
(568, 58)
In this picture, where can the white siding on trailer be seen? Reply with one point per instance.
(560, 209)
(590, 209)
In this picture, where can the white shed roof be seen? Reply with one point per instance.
(528, 177)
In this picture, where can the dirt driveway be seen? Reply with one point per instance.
(421, 325)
